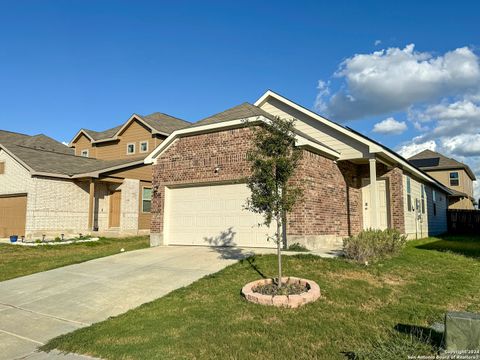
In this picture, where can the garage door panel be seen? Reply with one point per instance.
(213, 215)
(13, 211)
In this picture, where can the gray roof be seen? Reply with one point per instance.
(244, 111)
(159, 121)
(459, 193)
(100, 135)
(46, 155)
(40, 141)
(241, 111)
(164, 123)
(429, 160)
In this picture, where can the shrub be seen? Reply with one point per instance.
(372, 245)
(297, 247)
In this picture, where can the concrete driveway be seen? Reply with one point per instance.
(39, 307)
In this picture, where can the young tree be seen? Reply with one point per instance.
(273, 159)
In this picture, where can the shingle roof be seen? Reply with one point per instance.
(39, 141)
(100, 135)
(244, 111)
(158, 121)
(46, 155)
(459, 193)
(164, 123)
(241, 111)
(432, 160)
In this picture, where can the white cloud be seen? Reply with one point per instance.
(394, 79)
(323, 92)
(390, 126)
(411, 148)
(377, 42)
(455, 125)
(462, 145)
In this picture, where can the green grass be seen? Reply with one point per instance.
(17, 260)
(376, 312)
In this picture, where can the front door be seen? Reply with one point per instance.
(382, 204)
(114, 213)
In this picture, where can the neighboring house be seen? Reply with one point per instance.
(98, 186)
(199, 189)
(455, 175)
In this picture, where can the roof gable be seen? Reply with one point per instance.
(432, 160)
(157, 123)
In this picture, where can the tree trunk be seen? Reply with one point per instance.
(279, 251)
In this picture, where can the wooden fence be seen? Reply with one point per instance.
(463, 221)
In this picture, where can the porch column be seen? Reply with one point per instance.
(373, 194)
(91, 206)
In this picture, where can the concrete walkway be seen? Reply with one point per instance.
(39, 307)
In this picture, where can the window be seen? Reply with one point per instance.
(434, 198)
(84, 153)
(454, 178)
(144, 146)
(409, 195)
(146, 200)
(423, 199)
(130, 149)
(2, 167)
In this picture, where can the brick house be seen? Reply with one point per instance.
(97, 185)
(199, 186)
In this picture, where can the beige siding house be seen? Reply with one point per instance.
(336, 171)
(455, 175)
(99, 185)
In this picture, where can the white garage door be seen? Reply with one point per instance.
(213, 216)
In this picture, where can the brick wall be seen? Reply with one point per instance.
(193, 160)
(331, 203)
(328, 187)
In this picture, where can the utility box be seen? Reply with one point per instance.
(462, 331)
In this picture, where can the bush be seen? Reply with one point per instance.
(373, 245)
(297, 247)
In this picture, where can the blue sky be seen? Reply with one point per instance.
(71, 64)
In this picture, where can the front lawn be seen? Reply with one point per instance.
(17, 260)
(381, 311)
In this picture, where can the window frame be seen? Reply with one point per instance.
(423, 198)
(409, 194)
(134, 149)
(143, 199)
(83, 151)
(457, 178)
(434, 201)
(141, 143)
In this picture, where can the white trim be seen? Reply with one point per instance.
(150, 159)
(142, 200)
(97, 173)
(140, 146)
(115, 136)
(134, 148)
(16, 158)
(139, 119)
(300, 140)
(81, 131)
(373, 148)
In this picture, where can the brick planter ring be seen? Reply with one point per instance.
(288, 301)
